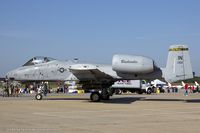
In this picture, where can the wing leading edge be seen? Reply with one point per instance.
(89, 72)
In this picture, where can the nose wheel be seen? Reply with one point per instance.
(38, 96)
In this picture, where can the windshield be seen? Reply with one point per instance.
(38, 60)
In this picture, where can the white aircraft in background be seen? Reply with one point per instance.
(196, 83)
(176, 86)
(183, 85)
(197, 87)
(100, 77)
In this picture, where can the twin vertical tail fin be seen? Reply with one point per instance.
(178, 64)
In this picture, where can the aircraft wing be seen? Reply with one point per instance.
(89, 72)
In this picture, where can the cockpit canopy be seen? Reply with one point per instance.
(38, 60)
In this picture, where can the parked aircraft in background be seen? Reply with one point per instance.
(178, 86)
(100, 77)
(196, 83)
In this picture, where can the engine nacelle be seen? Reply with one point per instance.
(132, 64)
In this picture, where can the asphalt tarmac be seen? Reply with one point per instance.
(158, 113)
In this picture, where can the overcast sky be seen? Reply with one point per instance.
(94, 30)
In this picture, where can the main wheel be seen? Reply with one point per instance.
(95, 97)
(105, 94)
(38, 96)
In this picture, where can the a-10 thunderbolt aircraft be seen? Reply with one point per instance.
(100, 77)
